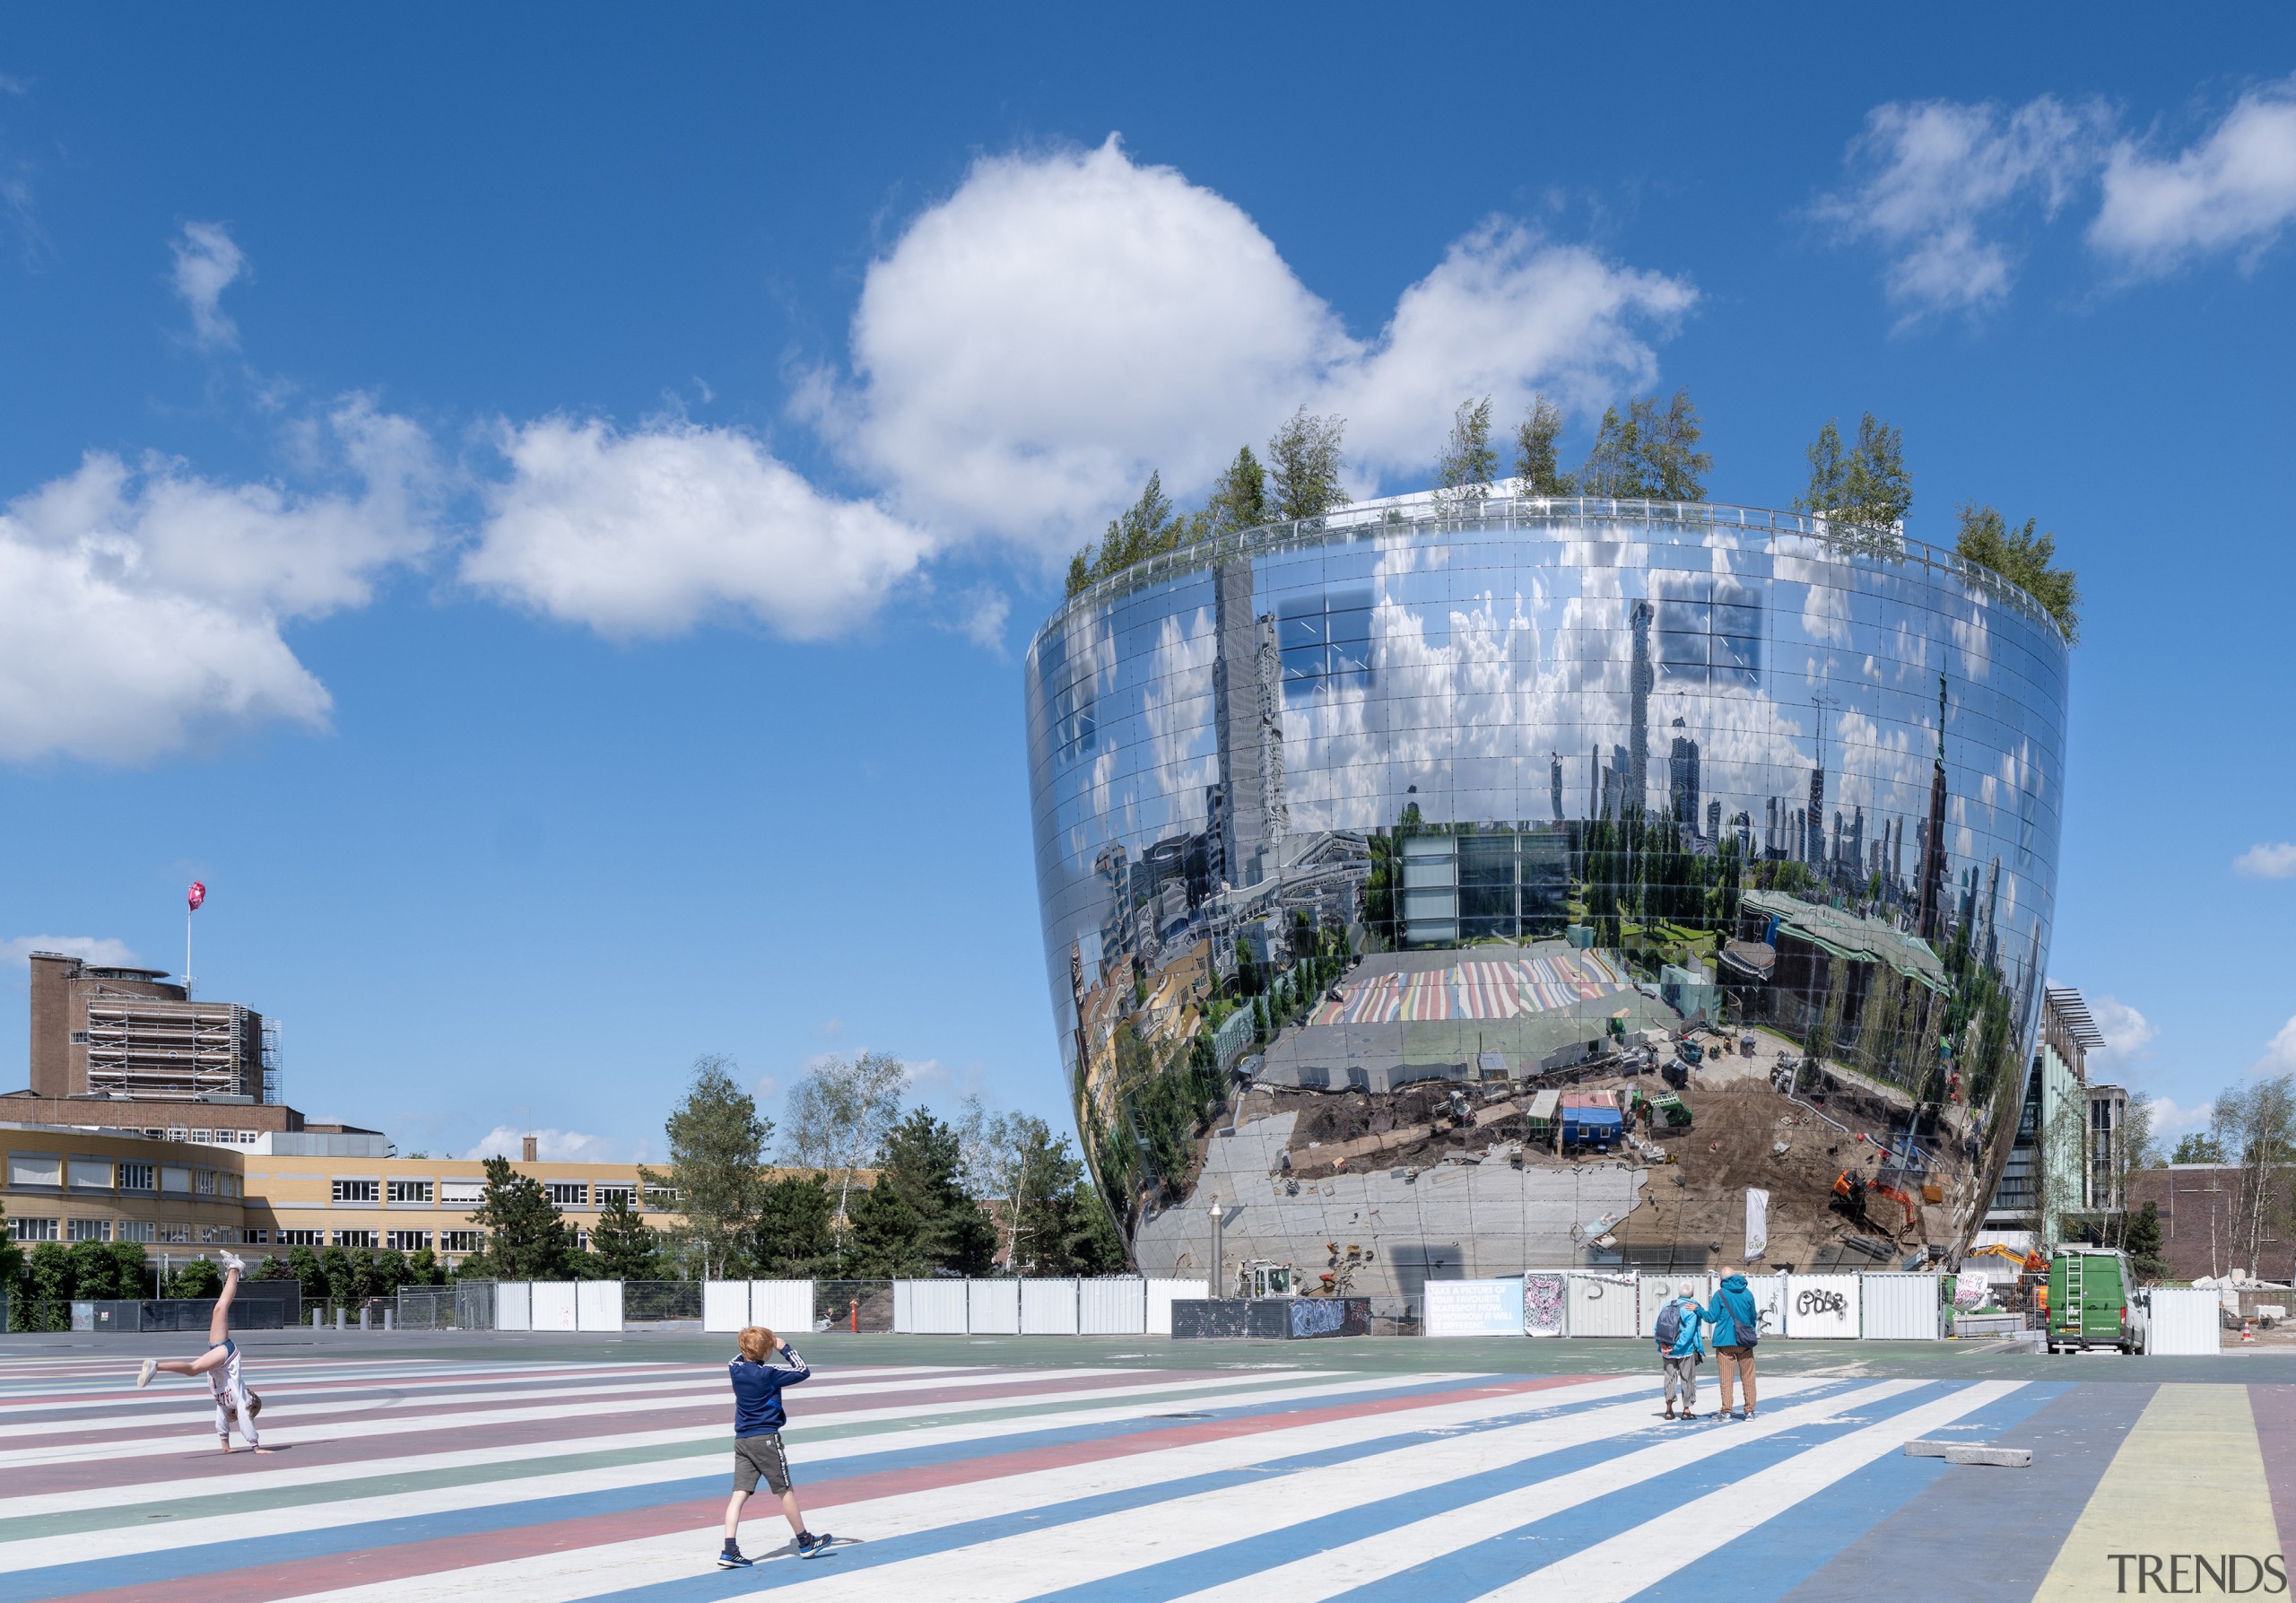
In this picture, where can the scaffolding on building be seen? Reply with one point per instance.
(152, 1048)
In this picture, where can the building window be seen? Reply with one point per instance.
(175, 1177)
(35, 1168)
(301, 1237)
(1710, 630)
(461, 1241)
(31, 1230)
(461, 1193)
(355, 1238)
(410, 1190)
(88, 1230)
(662, 1199)
(219, 1235)
(257, 1237)
(202, 1137)
(138, 1230)
(357, 1191)
(231, 1185)
(568, 1193)
(581, 1240)
(1324, 639)
(608, 1193)
(79, 1037)
(407, 1240)
(90, 1174)
(206, 1181)
(175, 1235)
(135, 1177)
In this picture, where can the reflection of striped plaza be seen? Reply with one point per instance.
(407, 1479)
(1474, 988)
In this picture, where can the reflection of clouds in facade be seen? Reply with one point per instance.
(1213, 750)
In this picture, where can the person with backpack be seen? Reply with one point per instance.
(1737, 1326)
(1679, 1352)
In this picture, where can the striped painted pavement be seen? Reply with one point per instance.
(407, 1479)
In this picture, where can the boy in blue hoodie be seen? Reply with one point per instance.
(1737, 1326)
(757, 1419)
(1678, 1359)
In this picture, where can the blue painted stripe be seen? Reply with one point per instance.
(1288, 1542)
(1783, 1552)
(1473, 1570)
(206, 1558)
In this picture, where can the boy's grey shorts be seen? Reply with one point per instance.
(755, 1455)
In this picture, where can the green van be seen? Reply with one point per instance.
(2088, 1300)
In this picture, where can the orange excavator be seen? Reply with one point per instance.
(1852, 1188)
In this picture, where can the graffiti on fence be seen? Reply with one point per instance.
(1543, 1304)
(1815, 1300)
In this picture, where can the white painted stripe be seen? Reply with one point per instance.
(1067, 1411)
(583, 1572)
(1634, 1559)
(288, 1433)
(1089, 1551)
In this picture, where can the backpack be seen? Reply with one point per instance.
(1670, 1325)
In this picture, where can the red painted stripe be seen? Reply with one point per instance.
(2274, 1408)
(261, 1582)
(82, 1476)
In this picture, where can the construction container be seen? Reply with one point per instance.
(1672, 1111)
(1543, 1111)
(2179, 1320)
(1591, 1119)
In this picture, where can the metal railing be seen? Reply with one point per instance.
(1827, 541)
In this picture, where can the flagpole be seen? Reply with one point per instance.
(187, 953)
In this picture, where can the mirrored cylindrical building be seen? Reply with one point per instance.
(1353, 838)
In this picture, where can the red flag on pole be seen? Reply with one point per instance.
(196, 895)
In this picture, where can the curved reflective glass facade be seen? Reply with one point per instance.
(1405, 800)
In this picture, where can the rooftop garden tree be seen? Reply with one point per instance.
(2025, 558)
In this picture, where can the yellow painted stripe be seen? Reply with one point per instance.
(2189, 1479)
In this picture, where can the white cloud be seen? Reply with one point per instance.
(1062, 322)
(2126, 1032)
(650, 533)
(101, 950)
(982, 613)
(1933, 184)
(558, 1147)
(766, 1088)
(207, 262)
(2170, 1119)
(146, 602)
(2234, 189)
(2279, 1053)
(2268, 859)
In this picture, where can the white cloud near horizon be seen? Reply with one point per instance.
(2126, 1032)
(650, 533)
(2279, 1056)
(558, 1146)
(1935, 183)
(2267, 860)
(207, 262)
(1033, 345)
(147, 602)
(2233, 189)
(102, 951)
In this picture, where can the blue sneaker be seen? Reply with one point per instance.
(810, 1546)
(731, 1558)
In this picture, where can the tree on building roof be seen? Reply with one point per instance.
(2025, 558)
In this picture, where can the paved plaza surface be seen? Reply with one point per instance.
(517, 1468)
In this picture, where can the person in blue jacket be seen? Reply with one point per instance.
(1678, 1358)
(1737, 1326)
(757, 1419)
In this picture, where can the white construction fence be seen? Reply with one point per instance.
(1111, 1305)
(1596, 1303)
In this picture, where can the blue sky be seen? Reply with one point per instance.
(540, 509)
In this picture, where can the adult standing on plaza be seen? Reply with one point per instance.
(1737, 1326)
(1678, 1351)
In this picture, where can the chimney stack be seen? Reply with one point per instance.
(526, 1148)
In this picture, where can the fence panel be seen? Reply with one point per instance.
(553, 1308)
(1112, 1305)
(473, 1305)
(929, 1307)
(1475, 1307)
(514, 1305)
(2184, 1320)
(993, 1307)
(782, 1306)
(597, 1305)
(725, 1304)
(661, 1301)
(425, 1307)
(1769, 1293)
(1601, 1304)
(1658, 1290)
(1161, 1294)
(1047, 1308)
(1900, 1306)
(1820, 1307)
